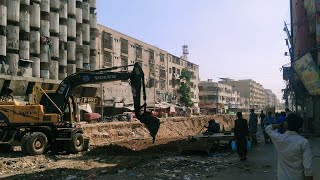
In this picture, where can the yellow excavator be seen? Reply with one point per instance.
(50, 121)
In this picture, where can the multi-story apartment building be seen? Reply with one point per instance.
(248, 88)
(162, 69)
(217, 97)
(271, 98)
(41, 43)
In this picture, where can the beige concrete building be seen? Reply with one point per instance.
(251, 90)
(42, 42)
(271, 98)
(216, 97)
(162, 69)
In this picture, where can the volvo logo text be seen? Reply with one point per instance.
(105, 77)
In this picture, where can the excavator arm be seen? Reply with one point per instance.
(136, 78)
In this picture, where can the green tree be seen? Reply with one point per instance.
(184, 89)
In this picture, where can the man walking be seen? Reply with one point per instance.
(267, 121)
(294, 153)
(253, 126)
(241, 132)
(262, 116)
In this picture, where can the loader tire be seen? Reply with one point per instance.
(5, 148)
(77, 143)
(37, 143)
(24, 142)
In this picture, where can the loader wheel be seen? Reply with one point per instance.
(24, 142)
(37, 143)
(77, 143)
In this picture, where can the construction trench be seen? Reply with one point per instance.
(116, 148)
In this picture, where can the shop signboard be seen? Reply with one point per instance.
(286, 73)
(308, 72)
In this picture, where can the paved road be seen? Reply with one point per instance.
(261, 164)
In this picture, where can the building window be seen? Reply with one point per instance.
(152, 82)
(200, 88)
(176, 60)
(178, 71)
(169, 70)
(124, 61)
(211, 97)
(107, 40)
(162, 84)
(162, 73)
(151, 54)
(139, 52)
(173, 70)
(152, 71)
(124, 46)
(107, 59)
(161, 57)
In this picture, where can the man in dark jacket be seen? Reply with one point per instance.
(262, 116)
(253, 126)
(241, 133)
(213, 127)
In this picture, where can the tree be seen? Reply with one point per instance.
(184, 89)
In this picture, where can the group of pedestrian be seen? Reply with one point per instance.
(278, 118)
(294, 152)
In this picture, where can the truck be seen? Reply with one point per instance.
(50, 120)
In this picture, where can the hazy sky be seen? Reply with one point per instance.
(226, 38)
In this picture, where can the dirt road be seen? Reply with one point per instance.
(124, 160)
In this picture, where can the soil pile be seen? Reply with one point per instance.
(170, 128)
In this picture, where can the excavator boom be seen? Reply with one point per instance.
(136, 78)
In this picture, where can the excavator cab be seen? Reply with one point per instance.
(70, 111)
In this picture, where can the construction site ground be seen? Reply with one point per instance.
(124, 150)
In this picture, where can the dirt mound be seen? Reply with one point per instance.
(170, 128)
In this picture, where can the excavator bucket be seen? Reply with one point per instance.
(152, 123)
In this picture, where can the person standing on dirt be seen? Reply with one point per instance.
(294, 152)
(262, 116)
(241, 132)
(253, 126)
